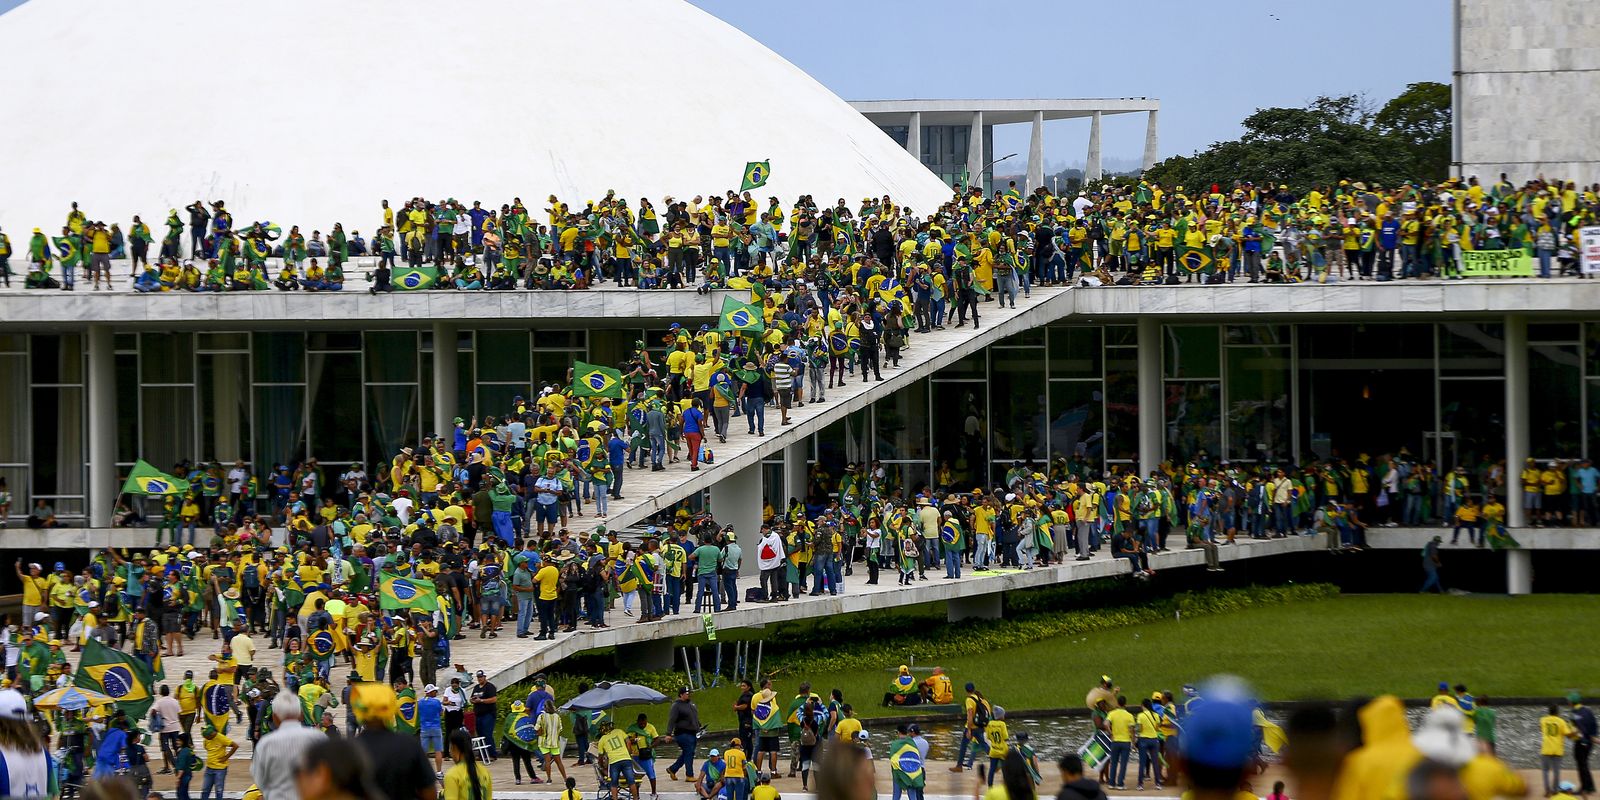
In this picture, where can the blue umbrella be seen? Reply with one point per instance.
(608, 695)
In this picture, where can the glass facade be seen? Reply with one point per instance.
(945, 149)
(1248, 393)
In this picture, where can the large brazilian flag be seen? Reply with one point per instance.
(590, 380)
(905, 762)
(741, 317)
(408, 279)
(396, 593)
(117, 675)
(147, 480)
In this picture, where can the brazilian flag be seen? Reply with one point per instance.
(216, 702)
(408, 279)
(950, 534)
(766, 715)
(147, 480)
(396, 593)
(591, 380)
(523, 730)
(905, 762)
(406, 720)
(67, 249)
(756, 174)
(741, 317)
(321, 644)
(117, 675)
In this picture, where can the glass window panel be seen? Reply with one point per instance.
(335, 431)
(1593, 349)
(1193, 419)
(392, 356)
(1475, 411)
(392, 420)
(15, 481)
(426, 387)
(14, 425)
(972, 366)
(225, 341)
(1258, 403)
(503, 356)
(1554, 400)
(224, 386)
(1594, 416)
(1076, 424)
(166, 425)
(58, 441)
(1190, 351)
(550, 338)
(909, 477)
(1019, 406)
(1075, 352)
(1123, 335)
(1032, 337)
(279, 424)
(960, 432)
(279, 357)
(1122, 405)
(1472, 348)
(57, 358)
(466, 398)
(902, 431)
(333, 340)
(552, 367)
(166, 358)
(1369, 341)
(842, 442)
(127, 371)
(1552, 331)
(612, 347)
(125, 342)
(495, 399)
(1257, 334)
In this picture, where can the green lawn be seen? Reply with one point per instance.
(1353, 645)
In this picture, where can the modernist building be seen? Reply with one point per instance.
(955, 138)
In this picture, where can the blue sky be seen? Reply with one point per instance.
(1210, 64)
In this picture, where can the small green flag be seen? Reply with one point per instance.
(591, 380)
(147, 480)
(756, 174)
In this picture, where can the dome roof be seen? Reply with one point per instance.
(310, 112)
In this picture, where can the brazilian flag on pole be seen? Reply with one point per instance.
(396, 593)
(756, 174)
(147, 480)
(408, 279)
(741, 317)
(591, 380)
(117, 675)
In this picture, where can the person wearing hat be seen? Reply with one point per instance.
(430, 725)
(617, 750)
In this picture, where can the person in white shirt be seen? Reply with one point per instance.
(278, 755)
(165, 722)
(402, 509)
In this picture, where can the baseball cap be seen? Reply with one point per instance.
(715, 752)
(1221, 732)
(13, 705)
(429, 689)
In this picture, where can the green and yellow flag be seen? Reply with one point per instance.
(396, 593)
(117, 675)
(756, 174)
(741, 317)
(592, 380)
(147, 480)
(407, 279)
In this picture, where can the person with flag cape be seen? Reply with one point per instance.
(405, 719)
(117, 675)
(906, 766)
(953, 540)
(216, 702)
(521, 741)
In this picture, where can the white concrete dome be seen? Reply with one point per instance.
(310, 112)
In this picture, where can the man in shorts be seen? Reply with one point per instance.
(430, 726)
(617, 750)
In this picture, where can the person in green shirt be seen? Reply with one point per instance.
(707, 558)
(1483, 719)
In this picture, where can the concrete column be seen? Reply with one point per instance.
(1151, 410)
(983, 606)
(445, 391)
(1036, 153)
(736, 501)
(794, 471)
(101, 489)
(654, 654)
(1091, 169)
(1517, 436)
(1519, 572)
(975, 151)
(1152, 149)
(914, 136)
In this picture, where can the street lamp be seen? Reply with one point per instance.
(986, 167)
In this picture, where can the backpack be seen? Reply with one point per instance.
(980, 715)
(251, 578)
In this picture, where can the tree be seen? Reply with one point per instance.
(1420, 116)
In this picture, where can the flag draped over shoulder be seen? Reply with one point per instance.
(116, 675)
(147, 480)
(396, 593)
(742, 317)
(756, 174)
(592, 380)
(408, 279)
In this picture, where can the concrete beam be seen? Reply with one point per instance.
(988, 606)
(650, 654)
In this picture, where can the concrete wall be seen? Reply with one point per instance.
(1529, 89)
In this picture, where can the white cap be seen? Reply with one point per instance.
(94, 603)
(862, 736)
(40, 616)
(35, 565)
(429, 689)
(13, 705)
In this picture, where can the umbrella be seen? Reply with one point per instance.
(607, 695)
(71, 698)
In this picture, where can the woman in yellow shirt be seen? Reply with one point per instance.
(468, 779)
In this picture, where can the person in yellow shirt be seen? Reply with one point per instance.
(733, 775)
(1553, 484)
(1121, 724)
(35, 588)
(1147, 726)
(468, 779)
(219, 748)
(1554, 731)
(848, 725)
(616, 752)
(998, 738)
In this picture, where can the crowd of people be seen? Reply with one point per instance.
(1116, 232)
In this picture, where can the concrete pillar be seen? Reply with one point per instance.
(101, 490)
(655, 654)
(975, 151)
(1519, 572)
(1152, 149)
(445, 391)
(794, 471)
(736, 501)
(983, 606)
(1151, 410)
(1091, 169)
(914, 136)
(1517, 437)
(1036, 153)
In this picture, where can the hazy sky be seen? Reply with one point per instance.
(1210, 64)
